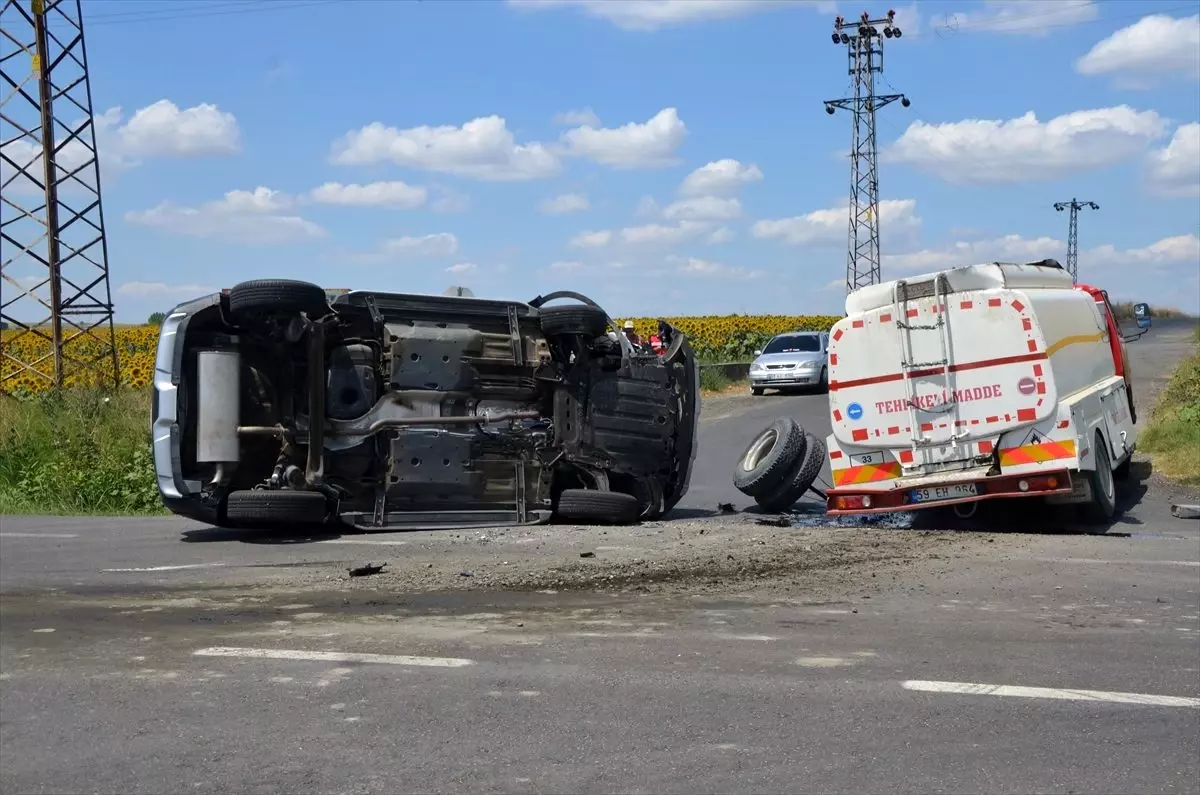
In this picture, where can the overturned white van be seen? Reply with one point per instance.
(975, 383)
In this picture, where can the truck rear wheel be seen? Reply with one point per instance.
(1103, 505)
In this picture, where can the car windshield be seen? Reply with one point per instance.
(794, 343)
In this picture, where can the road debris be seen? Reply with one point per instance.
(587, 554)
(366, 571)
(1185, 511)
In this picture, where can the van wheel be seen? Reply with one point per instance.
(263, 507)
(277, 297)
(597, 507)
(1103, 506)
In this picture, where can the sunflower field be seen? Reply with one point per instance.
(87, 356)
(734, 338)
(724, 338)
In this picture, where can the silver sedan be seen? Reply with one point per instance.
(795, 359)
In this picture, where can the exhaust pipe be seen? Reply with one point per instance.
(965, 510)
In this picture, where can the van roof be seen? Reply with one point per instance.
(1043, 275)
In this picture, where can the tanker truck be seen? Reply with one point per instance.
(993, 381)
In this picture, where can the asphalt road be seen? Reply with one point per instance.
(159, 656)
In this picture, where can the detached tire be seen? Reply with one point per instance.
(764, 465)
(798, 480)
(581, 319)
(263, 507)
(277, 297)
(598, 507)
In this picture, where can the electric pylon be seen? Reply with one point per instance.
(1073, 233)
(56, 300)
(864, 43)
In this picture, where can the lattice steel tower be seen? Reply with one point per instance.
(863, 39)
(1073, 233)
(54, 291)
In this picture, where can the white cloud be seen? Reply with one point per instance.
(591, 239)
(248, 217)
(566, 265)
(722, 235)
(163, 130)
(704, 208)
(1025, 149)
(1010, 248)
(1020, 17)
(482, 149)
(1154, 45)
(651, 144)
(705, 268)
(719, 178)
(259, 200)
(1015, 248)
(441, 244)
(647, 207)
(163, 290)
(157, 130)
(897, 217)
(463, 268)
(395, 195)
(450, 201)
(1180, 248)
(1175, 169)
(575, 118)
(566, 203)
(649, 15)
(660, 235)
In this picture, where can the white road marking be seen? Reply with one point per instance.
(972, 689)
(169, 568)
(1194, 563)
(364, 542)
(39, 535)
(332, 656)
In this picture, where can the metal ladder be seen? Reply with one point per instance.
(900, 300)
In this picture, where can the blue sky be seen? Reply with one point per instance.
(521, 147)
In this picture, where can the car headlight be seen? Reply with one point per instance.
(809, 365)
(756, 368)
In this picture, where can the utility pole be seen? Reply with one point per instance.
(1073, 233)
(863, 39)
(55, 297)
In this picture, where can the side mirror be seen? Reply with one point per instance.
(758, 353)
(1141, 314)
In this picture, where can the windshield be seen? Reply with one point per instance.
(794, 343)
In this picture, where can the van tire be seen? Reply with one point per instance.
(800, 477)
(769, 458)
(1103, 505)
(581, 319)
(258, 507)
(598, 507)
(277, 297)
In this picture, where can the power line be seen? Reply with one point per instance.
(863, 40)
(1073, 233)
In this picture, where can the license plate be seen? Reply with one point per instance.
(779, 376)
(939, 493)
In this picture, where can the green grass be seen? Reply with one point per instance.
(77, 452)
(1172, 437)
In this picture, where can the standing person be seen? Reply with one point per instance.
(632, 335)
